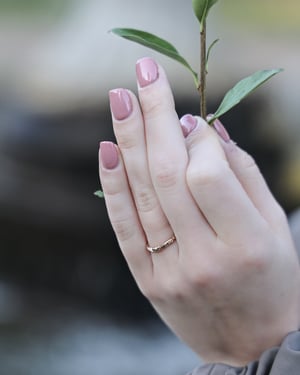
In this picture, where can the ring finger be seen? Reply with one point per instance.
(129, 131)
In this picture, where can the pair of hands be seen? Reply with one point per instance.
(229, 285)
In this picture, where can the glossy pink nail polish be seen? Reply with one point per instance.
(120, 103)
(188, 124)
(109, 155)
(146, 71)
(220, 129)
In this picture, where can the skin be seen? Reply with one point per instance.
(229, 285)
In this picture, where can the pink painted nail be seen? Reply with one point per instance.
(109, 155)
(146, 71)
(120, 103)
(220, 129)
(188, 124)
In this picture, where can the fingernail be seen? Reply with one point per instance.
(120, 103)
(220, 129)
(188, 124)
(109, 155)
(146, 71)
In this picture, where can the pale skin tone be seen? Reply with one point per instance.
(229, 285)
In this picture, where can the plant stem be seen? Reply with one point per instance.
(202, 84)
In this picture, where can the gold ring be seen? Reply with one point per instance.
(156, 249)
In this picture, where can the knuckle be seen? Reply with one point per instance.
(123, 230)
(145, 200)
(154, 105)
(152, 292)
(166, 290)
(166, 174)
(152, 108)
(111, 189)
(201, 275)
(255, 263)
(126, 141)
(257, 258)
(202, 280)
(206, 173)
(175, 289)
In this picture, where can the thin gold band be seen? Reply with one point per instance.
(156, 249)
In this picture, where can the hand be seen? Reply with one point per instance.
(229, 285)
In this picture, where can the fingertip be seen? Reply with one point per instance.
(221, 131)
(189, 123)
(120, 103)
(147, 71)
(219, 128)
(108, 155)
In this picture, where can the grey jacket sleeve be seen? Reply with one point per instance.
(283, 360)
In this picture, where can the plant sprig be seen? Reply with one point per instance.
(238, 92)
(233, 96)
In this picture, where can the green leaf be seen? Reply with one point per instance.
(201, 9)
(209, 51)
(99, 194)
(156, 43)
(242, 89)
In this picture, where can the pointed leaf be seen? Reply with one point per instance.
(201, 9)
(156, 43)
(242, 89)
(99, 194)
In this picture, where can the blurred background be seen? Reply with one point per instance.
(68, 304)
